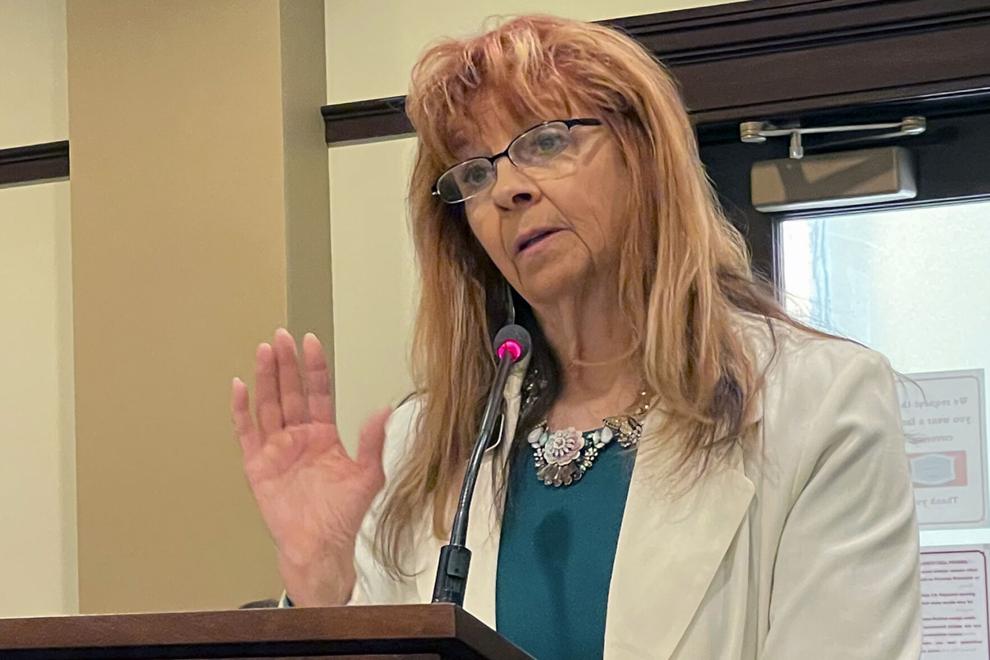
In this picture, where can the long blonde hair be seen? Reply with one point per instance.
(685, 270)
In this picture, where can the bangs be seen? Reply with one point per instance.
(459, 111)
(518, 75)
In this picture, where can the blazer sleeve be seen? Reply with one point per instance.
(846, 578)
(375, 586)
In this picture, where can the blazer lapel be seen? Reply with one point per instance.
(667, 554)
(669, 549)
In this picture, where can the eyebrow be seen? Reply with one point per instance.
(464, 149)
(458, 140)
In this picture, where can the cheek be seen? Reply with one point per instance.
(486, 229)
(597, 185)
(605, 196)
(593, 213)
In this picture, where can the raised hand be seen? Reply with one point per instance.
(311, 493)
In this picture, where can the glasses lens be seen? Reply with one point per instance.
(465, 180)
(542, 144)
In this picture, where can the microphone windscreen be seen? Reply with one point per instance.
(514, 339)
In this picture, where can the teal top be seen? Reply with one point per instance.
(555, 555)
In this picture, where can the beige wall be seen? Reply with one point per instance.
(373, 278)
(37, 469)
(37, 483)
(182, 145)
(32, 72)
(371, 47)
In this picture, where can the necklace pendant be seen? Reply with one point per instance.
(560, 475)
(560, 457)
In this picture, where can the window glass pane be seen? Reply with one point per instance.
(912, 284)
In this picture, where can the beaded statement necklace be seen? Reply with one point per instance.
(561, 457)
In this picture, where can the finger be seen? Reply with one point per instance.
(372, 440)
(318, 386)
(267, 408)
(289, 384)
(240, 412)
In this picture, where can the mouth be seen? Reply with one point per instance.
(534, 237)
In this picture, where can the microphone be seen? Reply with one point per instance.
(512, 344)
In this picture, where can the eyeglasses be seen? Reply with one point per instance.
(541, 147)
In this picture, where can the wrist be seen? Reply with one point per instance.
(317, 585)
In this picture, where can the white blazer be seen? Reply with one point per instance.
(805, 549)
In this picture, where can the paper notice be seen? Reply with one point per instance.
(944, 417)
(954, 603)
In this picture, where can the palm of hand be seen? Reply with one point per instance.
(308, 487)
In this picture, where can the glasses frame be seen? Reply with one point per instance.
(493, 159)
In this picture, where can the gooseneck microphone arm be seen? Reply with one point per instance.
(511, 344)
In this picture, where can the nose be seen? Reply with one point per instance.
(513, 189)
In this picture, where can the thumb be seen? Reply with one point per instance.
(372, 440)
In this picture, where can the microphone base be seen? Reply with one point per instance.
(452, 574)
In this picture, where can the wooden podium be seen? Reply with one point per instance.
(378, 631)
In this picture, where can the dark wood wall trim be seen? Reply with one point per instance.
(771, 59)
(34, 163)
(364, 120)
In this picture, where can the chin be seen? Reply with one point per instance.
(549, 288)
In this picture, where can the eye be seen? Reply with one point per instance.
(543, 144)
(549, 142)
(475, 173)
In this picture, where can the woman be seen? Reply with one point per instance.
(677, 453)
